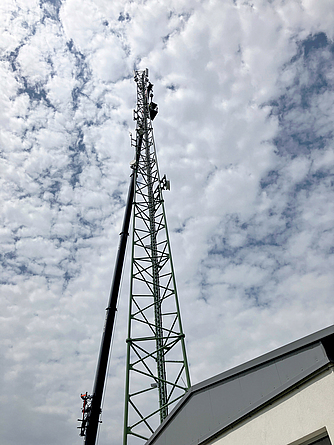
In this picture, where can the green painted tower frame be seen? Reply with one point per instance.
(157, 372)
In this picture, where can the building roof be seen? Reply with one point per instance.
(214, 405)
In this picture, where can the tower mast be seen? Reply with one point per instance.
(157, 373)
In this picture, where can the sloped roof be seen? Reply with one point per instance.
(212, 406)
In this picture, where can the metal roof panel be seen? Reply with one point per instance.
(217, 403)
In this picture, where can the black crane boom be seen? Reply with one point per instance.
(90, 420)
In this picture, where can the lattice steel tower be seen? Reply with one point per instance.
(157, 373)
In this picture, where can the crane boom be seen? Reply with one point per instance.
(90, 420)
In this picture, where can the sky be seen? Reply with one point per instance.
(245, 135)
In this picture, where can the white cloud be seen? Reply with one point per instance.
(244, 132)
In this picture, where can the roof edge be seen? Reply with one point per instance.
(302, 343)
(269, 356)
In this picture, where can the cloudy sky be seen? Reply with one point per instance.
(245, 134)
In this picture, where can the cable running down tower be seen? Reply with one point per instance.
(157, 373)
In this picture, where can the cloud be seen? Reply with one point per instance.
(244, 132)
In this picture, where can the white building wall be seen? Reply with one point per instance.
(299, 414)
